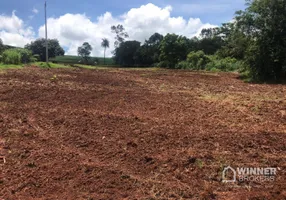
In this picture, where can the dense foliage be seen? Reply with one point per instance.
(38, 47)
(11, 56)
(254, 43)
(149, 52)
(173, 49)
(263, 24)
(78, 60)
(198, 60)
(126, 54)
(17, 56)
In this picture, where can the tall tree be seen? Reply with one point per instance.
(84, 51)
(211, 41)
(149, 52)
(154, 39)
(121, 34)
(38, 47)
(263, 22)
(126, 53)
(174, 48)
(209, 32)
(105, 44)
(235, 41)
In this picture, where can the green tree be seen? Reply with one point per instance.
(197, 60)
(154, 39)
(211, 41)
(126, 54)
(235, 45)
(263, 23)
(105, 44)
(173, 49)
(39, 47)
(149, 52)
(209, 32)
(84, 51)
(121, 34)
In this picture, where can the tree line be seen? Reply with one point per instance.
(254, 44)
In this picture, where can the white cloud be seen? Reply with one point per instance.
(14, 32)
(73, 29)
(140, 23)
(10, 23)
(36, 11)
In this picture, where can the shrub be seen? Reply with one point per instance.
(165, 64)
(223, 64)
(36, 57)
(26, 55)
(17, 56)
(213, 69)
(11, 56)
(183, 65)
(197, 60)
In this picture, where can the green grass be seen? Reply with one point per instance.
(4, 66)
(50, 65)
(76, 59)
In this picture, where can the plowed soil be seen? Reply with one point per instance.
(137, 134)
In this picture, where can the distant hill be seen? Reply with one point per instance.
(76, 60)
(9, 47)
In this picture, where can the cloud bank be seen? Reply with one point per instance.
(14, 32)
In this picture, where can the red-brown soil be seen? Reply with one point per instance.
(137, 134)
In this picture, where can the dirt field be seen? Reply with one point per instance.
(137, 134)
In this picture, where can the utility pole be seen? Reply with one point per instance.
(46, 27)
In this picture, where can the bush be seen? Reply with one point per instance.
(26, 55)
(165, 64)
(17, 56)
(213, 69)
(223, 64)
(183, 65)
(36, 58)
(197, 60)
(11, 56)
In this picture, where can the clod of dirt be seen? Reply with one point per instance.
(132, 144)
(148, 160)
(190, 160)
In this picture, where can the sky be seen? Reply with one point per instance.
(73, 22)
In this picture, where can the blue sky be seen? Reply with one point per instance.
(74, 21)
